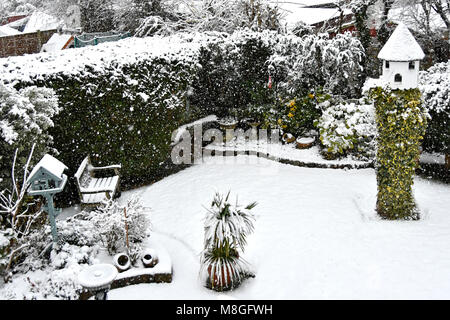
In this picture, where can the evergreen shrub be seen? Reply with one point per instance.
(401, 124)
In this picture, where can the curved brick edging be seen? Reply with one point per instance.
(298, 163)
(137, 279)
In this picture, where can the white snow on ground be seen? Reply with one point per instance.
(432, 158)
(317, 235)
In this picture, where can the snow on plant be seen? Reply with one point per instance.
(18, 217)
(401, 124)
(26, 115)
(28, 111)
(56, 284)
(348, 127)
(435, 87)
(226, 229)
(212, 15)
(334, 64)
(298, 114)
(70, 254)
(121, 227)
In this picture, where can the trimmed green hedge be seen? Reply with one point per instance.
(233, 75)
(124, 114)
(401, 124)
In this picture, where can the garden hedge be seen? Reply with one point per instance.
(121, 115)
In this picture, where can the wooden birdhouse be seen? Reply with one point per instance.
(401, 57)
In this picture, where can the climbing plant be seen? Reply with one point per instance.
(401, 124)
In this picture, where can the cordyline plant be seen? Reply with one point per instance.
(226, 229)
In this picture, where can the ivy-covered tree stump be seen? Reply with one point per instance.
(401, 124)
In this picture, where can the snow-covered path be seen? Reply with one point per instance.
(317, 235)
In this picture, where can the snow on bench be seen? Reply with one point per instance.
(93, 191)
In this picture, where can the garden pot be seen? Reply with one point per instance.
(220, 282)
(254, 124)
(149, 258)
(122, 262)
(288, 138)
(305, 142)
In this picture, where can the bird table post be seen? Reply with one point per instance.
(47, 179)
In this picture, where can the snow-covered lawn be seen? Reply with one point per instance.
(317, 234)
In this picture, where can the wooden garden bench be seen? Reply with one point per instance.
(93, 191)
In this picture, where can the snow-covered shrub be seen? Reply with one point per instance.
(299, 114)
(121, 228)
(72, 254)
(234, 72)
(96, 16)
(21, 221)
(25, 118)
(77, 230)
(132, 14)
(401, 124)
(57, 284)
(435, 86)
(215, 15)
(226, 229)
(348, 128)
(316, 61)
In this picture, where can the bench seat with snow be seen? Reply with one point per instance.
(94, 190)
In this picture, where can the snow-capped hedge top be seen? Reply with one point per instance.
(401, 46)
(106, 55)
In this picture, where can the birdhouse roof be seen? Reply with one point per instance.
(51, 164)
(401, 46)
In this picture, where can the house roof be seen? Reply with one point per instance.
(307, 3)
(41, 21)
(51, 164)
(310, 16)
(401, 46)
(18, 23)
(8, 31)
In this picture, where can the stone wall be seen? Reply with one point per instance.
(26, 43)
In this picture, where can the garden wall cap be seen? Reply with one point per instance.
(401, 46)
